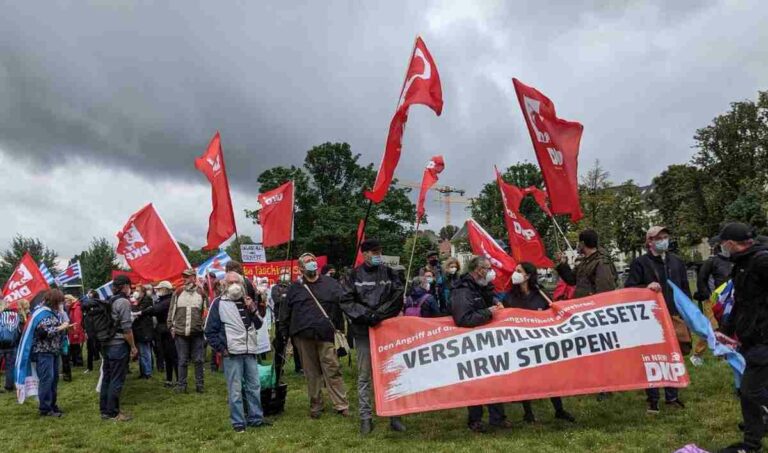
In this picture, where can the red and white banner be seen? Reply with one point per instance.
(221, 223)
(435, 166)
(276, 215)
(615, 341)
(273, 269)
(421, 86)
(484, 245)
(556, 143)
(525, 243)
(25, 282)
(149, 247)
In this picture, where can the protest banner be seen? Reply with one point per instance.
(621, 340)
(26, 281)
(273, 269)
(253, 253)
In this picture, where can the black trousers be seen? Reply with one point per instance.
(496, 414)
(670, 394)
(167, 348)
(93, 352)
(76, 354)
(280, 345)
(754, 396)
(557, 403)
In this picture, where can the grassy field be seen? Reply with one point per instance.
(166, 422)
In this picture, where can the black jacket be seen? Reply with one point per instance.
(301, 317)
(532, 301)
(716, 270)
(278, 294)
(749, 318)
(143, 328)
(375, 293)
(160, 312)
(470, 303)
(649, 268)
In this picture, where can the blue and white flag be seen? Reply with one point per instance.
(46, 273)
(25, 374)
(214, 264)
(701, 326)
(70, 274)
(105, 291)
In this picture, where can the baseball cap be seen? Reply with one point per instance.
(655, 231)
(370, 245)
(735, 231)
(165, 284)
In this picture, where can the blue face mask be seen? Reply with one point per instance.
(311, 266)
(376, 260)
(662, 245)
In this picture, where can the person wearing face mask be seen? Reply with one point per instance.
(311, 316)
(279, 293)
(421, 302)
(472, 305)
(185, 322)
(527, 294)
(438, 277)
(166, 345)
(748, 323)
(231, 330)
(594, 273)
(375, 294)
(143, 331)
(452, 269)
(653, 271)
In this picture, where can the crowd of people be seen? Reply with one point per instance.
(165, 327)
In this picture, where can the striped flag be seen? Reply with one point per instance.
(105, 291)
(46, 273)
(71, 273)
(214, 264)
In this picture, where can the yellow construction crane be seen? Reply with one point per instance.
(446, 196)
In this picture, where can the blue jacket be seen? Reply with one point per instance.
(231, 328)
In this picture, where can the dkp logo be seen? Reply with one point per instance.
(215, 163)
(425, 75)
(23, 276)
(277, 198)
(135, 244)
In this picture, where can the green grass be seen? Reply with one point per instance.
(166, 422)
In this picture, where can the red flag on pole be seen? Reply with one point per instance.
(484, 245)
(541, 198)
(26, 282)
(524, 241)
(556, 143)
(149, 247)
(276, 215)
(360, 238)
(421, 86)
(435, 166)
(221, 224)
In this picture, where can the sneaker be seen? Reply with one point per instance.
(504, 424)
(315, 415)
(697, 361)
(53, 414)
(366, 427)
(262, 424)
(106, 417)
(168, 384)
(477, 427)
(396, 424)
(239, 429)
(528, 417)
(343, 413)
(653, 407)
(602, 396)
(675, 404)
(740, 447)
(565, 415)
(121, 417)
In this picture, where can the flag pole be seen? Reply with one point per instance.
(570, 248)
(365, 225)
(413, 251)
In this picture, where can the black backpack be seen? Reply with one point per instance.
(98, 321)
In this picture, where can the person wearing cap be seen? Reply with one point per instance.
(117, 352)
(166, 345)
(653, 271)
(185, 323)
(143, 331)
(375, 294)
(595, 273)
(311, 315)
(748, 323)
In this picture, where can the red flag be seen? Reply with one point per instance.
(524, 241)
(541, 198)
(434, 167)
(421, 86)
(360, 238)
(484, 245)
(276, 215)
(26, 282)
(221, 224)
(149, 247)
(556, 143)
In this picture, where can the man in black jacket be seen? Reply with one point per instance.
(472, 305)
(166, 346)
(311, 314)
(278, 295)
(652, 271)
(375, 293)
(748, 323)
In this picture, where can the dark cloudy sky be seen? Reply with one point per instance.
(105, 104)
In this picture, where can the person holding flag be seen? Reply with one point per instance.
(594, 273)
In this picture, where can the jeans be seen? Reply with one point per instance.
(115, 360)
(186, 347)
(10, 360)
(145, 358)
(670, 394)
(242, 374)
(364, 382)
(48, 374)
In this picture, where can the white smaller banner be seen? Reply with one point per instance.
(253, 253)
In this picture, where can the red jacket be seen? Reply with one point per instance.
(77, 333)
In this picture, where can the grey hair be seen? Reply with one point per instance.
(235, 274)
(476, 262)
(417, 281)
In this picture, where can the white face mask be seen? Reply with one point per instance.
(235, 291)
(490, 277)
(517, 278)
(452, 270)
(135, 295)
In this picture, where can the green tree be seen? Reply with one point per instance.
(630, 221)
(597, 202)
(233, 249)
(679, 196)
(19, 246)
(423, 246)
(97, 263)
(448, 231)
(747, 208)
(196, 257)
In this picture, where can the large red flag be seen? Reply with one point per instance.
(556, 143)
(25, 282)
(149, 247)
(484, 245)
(541, 198)
(434, 167)
(276, 215)
(524, 241)
(359, 259)
(421, 86)
(221, 224)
